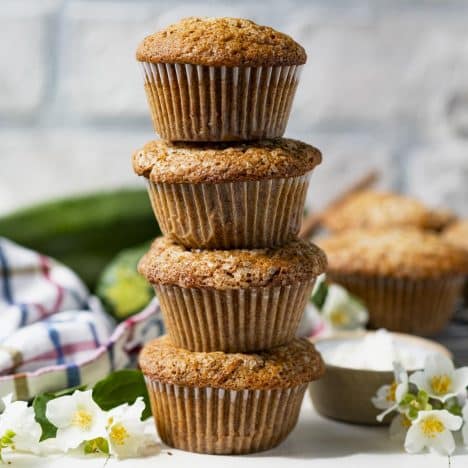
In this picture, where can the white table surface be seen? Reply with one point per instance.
(316, 442)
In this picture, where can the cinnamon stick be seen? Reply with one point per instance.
(312, 222)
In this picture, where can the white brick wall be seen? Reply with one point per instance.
(385, 87)
(23, 55)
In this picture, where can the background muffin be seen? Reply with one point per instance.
(410, 280)
(228, 195)
(232, 300)
(227, 403)
(370, 209)
(457, 234)
(220, 79)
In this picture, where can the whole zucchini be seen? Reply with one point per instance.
(84, 232)
(123, 291)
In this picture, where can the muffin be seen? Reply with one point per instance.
(220, 79)
(369, 209)
(221, 403)
(457, 234)
(409, 279)
(223, 196)
(232, 300)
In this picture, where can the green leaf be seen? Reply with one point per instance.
(98, 445)
(39, 404)
(49, 431)
(123, 386)
(318, 298)
(453, 406)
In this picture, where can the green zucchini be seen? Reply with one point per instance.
(121, 288)
(84, 232)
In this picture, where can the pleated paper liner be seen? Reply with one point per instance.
(420, 306)
(202, 103)
(246, 214)
(235, 320)
(217, 421)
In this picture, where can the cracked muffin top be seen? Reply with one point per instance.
(230, 42)
(168, 162)
(371, 209)
(395, 252)
(281, 367)
(457, 234)
(169, 263)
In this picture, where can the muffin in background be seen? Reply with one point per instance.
(409, 279)
(221, 403)
(457, 234)
(220, 79)
(232, 300)
(370, 209)
(224, 195)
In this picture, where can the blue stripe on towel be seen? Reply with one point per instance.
(6, 287)
(73, 375)
(7, 291)
(110, 353)
(24, 315)
(92, 327)
(55, 339)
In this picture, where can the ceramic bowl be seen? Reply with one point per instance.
(345, 393)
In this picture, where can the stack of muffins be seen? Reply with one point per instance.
(231, 276)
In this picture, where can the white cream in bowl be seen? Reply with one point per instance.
(377, 351)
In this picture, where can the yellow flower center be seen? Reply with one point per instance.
(431, 426)
(83, 419)
(118, 434)
(339, 318)
(391, 395)
(441, 384)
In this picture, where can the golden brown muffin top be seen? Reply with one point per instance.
(230, 42)
(172, 264)
(457, 234)
(169, 162)
(394, 252)
(277, 368)
(370, 209)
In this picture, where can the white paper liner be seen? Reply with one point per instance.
(419, 306)
(235, 320)
(202, 103)
(217, 421)
(246, 214)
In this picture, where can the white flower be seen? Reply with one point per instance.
(432, 429)
(399, 427)
(342, 310)
(440, 379)
(129, 436)
(77, 418)
(18, 418)
(388, 397)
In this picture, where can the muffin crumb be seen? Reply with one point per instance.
(281, 367)
(166, 162)
(170, 263)
(395, 252)
(226, 42)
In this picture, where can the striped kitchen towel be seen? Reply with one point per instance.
(53, 334)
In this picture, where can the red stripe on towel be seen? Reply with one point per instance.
(45, 267)
(67, 349)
